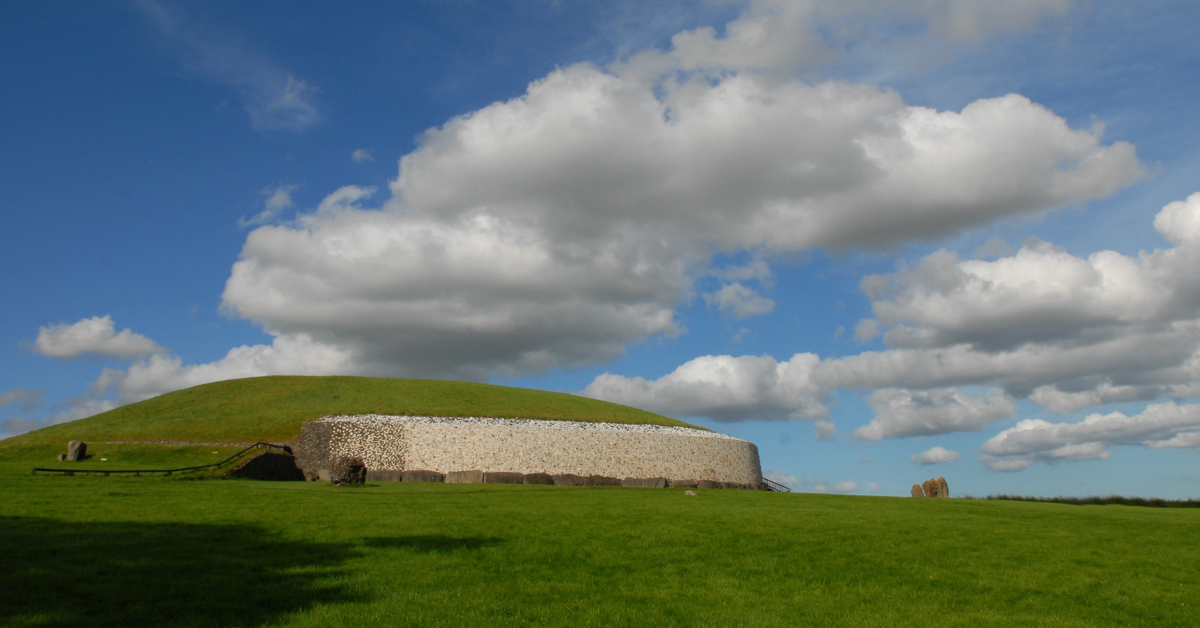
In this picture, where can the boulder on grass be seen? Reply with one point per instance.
(464, 477)
(348, 470)
(568, 479)
(503, 477)
(917, 491)
(76, 451)
(421, 475)
(943, 488)
(539, 478)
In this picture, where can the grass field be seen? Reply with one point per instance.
(169, 552)
(273, 409)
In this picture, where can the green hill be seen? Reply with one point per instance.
(273, 409)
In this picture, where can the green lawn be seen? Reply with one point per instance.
(168, 552)
(274, 408)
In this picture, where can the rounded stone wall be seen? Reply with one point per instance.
(446, 445)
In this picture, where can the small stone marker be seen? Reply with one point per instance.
(61, 457)
(943, 488)
(76, 451)
(916, 491)
(690, 492)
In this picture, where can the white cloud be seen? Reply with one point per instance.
(1160, 425)
(739, 301)
(866, 330)
(24, 396)
(824, 430)
(92, 335)
(785, 479)
(900, 413)
(835, 487)
(936, 455)
(276, 199)
(361, 155)
(873, 487)
(287, 355)
(723, 388)
(275, 99)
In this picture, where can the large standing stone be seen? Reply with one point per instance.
(930, 488)
(917, 491)
(421, 475)
(943, 488)
(76, 451)
(348, 470)
(464, 477)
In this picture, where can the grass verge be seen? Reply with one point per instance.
(120, 552)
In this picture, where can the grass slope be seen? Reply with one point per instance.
(127, 552)
(273, 409)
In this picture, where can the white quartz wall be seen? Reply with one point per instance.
(529, 446)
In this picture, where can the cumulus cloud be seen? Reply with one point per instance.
(937, 455)
(785, 479)
(94, 335)
(1068, 332)
(900, 413)
(723, 388)
(739, 301)
(1161, 425)
(276, 199)
(361, 154)
(275, 99)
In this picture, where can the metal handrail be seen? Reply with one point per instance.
(139, 472)
(775, 486)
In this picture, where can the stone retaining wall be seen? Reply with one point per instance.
(446, 445)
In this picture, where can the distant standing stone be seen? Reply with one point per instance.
(916, 491)
(930, 488)
(943, 488)
(76, 450)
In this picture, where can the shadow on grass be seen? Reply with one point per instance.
(58, 573)
(432, 542)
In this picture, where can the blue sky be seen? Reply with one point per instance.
(864, 235)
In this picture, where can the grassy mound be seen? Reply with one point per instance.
(274, 408)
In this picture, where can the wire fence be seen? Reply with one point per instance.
(140, 472)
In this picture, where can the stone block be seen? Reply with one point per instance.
(709, 484)
(601, 480)
(464, 477)
(383, 475)
(930, 487)
(684, 483)
(539, 478)
(569, 479)
(943, 488)
(422, 475)
(646, 482)
(76, 451)
(348, 470)
(917, 491)
(503, 477)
